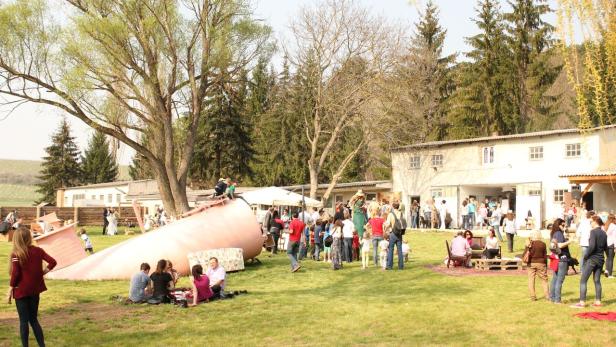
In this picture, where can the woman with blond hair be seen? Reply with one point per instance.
(537, 264)
(26, 269)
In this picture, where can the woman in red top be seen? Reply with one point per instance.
(201, 286)
(27, 282)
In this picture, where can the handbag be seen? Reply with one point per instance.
(328, 240)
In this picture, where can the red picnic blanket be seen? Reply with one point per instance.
(609, 316)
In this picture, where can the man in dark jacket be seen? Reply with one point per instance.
(593, 262)
(105, 221)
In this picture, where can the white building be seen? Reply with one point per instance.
(533, 172)
(110, 194)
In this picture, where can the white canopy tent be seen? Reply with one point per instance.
(275, 196)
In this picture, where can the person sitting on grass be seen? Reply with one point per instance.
(201, 290)
(216, 275)
(173, 272)
(460, 248)
(491, 249)
(86, 240)
(140, 285)
(162, 282)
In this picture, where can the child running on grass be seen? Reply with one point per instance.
(326, 249)
(383, 247)
(86, 240)
(365, 250)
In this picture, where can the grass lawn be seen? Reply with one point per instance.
(318, 306)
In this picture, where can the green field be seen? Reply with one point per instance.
(17, 195)
(320, 307)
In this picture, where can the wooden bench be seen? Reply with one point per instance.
(499, 264)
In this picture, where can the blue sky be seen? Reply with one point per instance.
(29, 127)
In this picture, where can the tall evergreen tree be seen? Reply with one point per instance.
(224, 148)
(482, 105)
(60, 167)
(533, 70)
(429, 71)
(98, 164)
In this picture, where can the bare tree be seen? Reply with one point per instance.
(347, 52)
(127, 68)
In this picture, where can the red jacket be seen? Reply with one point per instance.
(296, 227)
(27, 278)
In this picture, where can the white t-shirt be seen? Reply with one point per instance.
(383, 246)
(405, 248)
(509, 226)
(583, 232)
(216, 275)
(86, 239)
(365, 245)
(347, 228)
(491, 243)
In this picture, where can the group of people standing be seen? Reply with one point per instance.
(110, 221)
(601, 236)
(345, 236)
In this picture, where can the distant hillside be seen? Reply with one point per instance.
(17, 195)
(25, 172)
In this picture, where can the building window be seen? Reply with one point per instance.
(415, 162)
(118, 198)
(559, 195)
(534, 192)
(573, 150)
(536, 153)
(92, 197)
(101, 197)
(109, 198)
(488, 155)
(436, 193)
(370, 196)
(339, 198)
(437, 160)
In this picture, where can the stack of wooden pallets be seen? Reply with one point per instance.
(499, 264)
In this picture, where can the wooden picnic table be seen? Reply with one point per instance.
(498, 264)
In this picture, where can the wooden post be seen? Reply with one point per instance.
(76, 214)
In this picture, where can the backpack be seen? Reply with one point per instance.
(328, 241)
(220, 188)
(399, 227)
(5, 227)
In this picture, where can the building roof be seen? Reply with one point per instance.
(591, 174)
(500, 138)
(377, 184)
(104, 185)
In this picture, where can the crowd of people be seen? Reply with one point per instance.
(357, 229)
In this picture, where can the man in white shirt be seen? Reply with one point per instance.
(217, 275)
(315, 215)
(583, 234)
(347, 236)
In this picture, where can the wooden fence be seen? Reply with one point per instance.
(83, 215)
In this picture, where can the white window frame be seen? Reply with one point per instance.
(559, 195)
(437, 160)
(573, 150)
(118, 198)
(535, 153)
(109, 198)
(415, 162)
(336, 200)
(487, 155)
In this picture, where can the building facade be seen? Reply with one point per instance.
(528, 172)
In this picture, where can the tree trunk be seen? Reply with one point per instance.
(314, 181)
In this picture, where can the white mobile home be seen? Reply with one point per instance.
(533, 172)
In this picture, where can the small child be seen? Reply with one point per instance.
(355, 246)
(328, 250)
(365, 250)
(405, 250)
(383, 247)
(86, 240)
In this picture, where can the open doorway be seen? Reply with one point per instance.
(587, 199)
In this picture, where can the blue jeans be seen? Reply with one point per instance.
(414, 220)
(593, 267)
(498, 233)
(347, 251)
(394, 240)
(584, 250)
(558, 279)
(317, 251)
(375, 249)
(464, 221)
(292, 253)
(471, 220)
